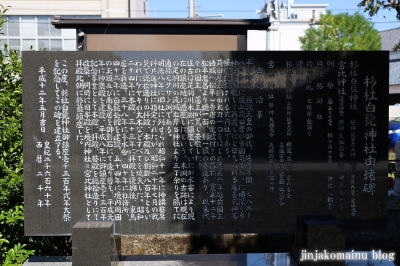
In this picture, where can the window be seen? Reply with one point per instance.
(13, 25)
(28, 43)
(43, 26)
(44, 44)
(69, 33)
(14, 44)
(69, 45)
(22, 32)
(28, 26)
(54, 31)
(56, 45)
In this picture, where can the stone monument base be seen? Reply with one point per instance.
(317, 234)
(93, 243)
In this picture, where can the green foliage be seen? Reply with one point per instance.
(2, 240)
(10, 129)
(15, 248)
(2, 12)
(17, 255)
(373, 6)
(341, 32)
(12, 252)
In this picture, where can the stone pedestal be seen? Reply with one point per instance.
(93, 243)
(319, 234)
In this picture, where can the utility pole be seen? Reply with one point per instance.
(192, 9)
(129, 8)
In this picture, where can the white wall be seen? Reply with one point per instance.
(105, 8)
(285, 31)
(394, 111)
(256, 40)
(53, 7)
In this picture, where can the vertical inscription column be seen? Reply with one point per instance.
(146, 112)
(271, 124)
(211, 153)
(285, 147)
(62, 130)
(239, 135)
(342, 91)
(353, 107)
(330, 139)
(370, 135)
(43, 159)
(184, 153)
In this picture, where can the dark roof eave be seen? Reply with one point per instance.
(161, 26)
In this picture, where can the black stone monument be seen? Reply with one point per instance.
(204, 142)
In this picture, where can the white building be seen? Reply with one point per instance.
(29, 24)
(288, 22)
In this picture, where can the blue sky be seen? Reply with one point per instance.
(246, 9)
